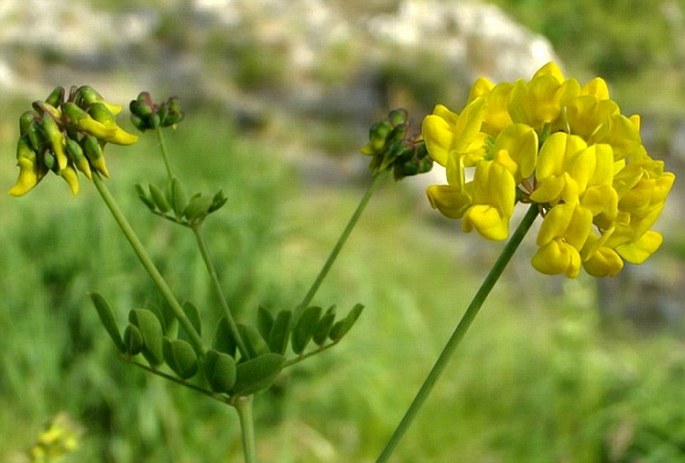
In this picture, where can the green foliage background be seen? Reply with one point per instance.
(541, 377)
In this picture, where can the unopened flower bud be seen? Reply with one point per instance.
(36, 136)
(43, 107)
(25, 121)
(398, 117)
(90, 96)
(30, 170)
(146, 114)
(93, 151)
(55, 139)
(56, 97)
(76, 155)
(69, 174)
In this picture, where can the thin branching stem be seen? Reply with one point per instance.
(232, 326)
(148, 264)
(339, 244)
(165, 155)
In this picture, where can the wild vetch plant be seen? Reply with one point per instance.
(560, 147)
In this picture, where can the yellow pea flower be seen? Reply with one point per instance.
(496, 116)
(600, 260)
(518, 143)
(494, 196)
(638, 250)
(562, 234)
(447, 134)
(555, 181)
(596, 87)
(451, 201)
(585, 114)
(563, 145)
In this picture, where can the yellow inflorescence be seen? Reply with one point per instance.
(559, 144)
(66, 137)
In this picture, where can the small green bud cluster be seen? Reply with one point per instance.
(392, 149)
(161, 341)
(146, 114)
(65, 134)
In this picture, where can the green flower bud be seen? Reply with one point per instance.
(76, 155)
(93, 151)
(56, 97)
(140, 108)
(49, 161)
(27, 119)
(398, 117)
(146, 114)
(90, 96)
(56, 140)
(43, 107)
(37, 136)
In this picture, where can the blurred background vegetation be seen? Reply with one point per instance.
(545, 375)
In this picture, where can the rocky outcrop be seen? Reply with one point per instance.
(346, 58)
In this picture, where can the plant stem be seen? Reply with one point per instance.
(213, 395)
(244, 407)
(460, 331)
(165, 156)
(204, 250)
(145, 259)
(339, 245)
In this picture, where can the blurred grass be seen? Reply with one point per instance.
(538, 379)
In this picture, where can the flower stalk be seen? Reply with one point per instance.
(460, 331)
(163, 149)
(233, 327)
(340, 243)
(150, 267)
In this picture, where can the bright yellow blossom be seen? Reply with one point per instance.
(564, 146)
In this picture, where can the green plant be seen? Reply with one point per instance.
(559, 147)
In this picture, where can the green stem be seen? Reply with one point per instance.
(213, 395)
(244, 407)
(204, 250)
(339, 245)
(165, 156)
(144, 258)
(460, 331)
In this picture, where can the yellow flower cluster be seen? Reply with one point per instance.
(564, 146)
(60, 437)
(66, 137)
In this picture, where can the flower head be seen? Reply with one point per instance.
(66, 137)
(392, 149)
(561, 145)
(146, 114)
